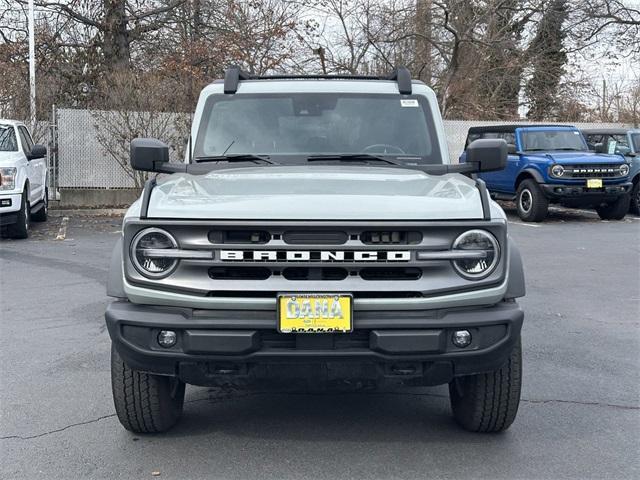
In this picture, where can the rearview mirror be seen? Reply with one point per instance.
(148, 154)
(490, 154)
(37, 151)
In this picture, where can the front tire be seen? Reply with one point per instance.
(20, 229)
(145, 403)
(531, 203)
(488, 402)
(616, 210)
(635, 199)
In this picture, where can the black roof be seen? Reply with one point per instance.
(604, 131)
(509, 128)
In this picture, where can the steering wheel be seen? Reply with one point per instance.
(382, 148)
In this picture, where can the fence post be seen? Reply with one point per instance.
(52, 155)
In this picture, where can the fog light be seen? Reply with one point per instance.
(167, 338)
(461, 338)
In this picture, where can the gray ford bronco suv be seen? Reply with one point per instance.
(316, 230)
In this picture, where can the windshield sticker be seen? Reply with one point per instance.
(408, 102)
(612, 147)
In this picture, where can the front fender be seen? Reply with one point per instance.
(115, 287)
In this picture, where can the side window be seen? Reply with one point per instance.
(25, 139)
(509, 137)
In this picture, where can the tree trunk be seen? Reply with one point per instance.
(116, 42)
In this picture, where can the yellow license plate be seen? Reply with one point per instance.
(315, 313)
(594, 183)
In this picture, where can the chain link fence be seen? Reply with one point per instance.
(80, 158)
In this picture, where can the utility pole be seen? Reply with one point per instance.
(32, 67)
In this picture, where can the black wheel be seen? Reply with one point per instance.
(531, 203)
(634, 206)
(145, 403)
(488, 402)
(614, 210)
(42, 214)
(20, 229)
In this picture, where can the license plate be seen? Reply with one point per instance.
(594, 183)
(315, 313)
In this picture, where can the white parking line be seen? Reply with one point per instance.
(62, 231)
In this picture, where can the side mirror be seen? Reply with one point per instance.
(148, 154)
(490, 154)
(511, 149)
(37, 151)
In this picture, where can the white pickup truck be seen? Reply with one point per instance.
(23, 180)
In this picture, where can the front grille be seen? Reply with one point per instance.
(591, 171)
(370, 260)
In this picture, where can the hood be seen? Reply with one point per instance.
(316, 193)
(10, 159)
(574, 158)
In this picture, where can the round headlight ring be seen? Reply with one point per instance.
(493, 260)
(624, 169)
(557, 170)
(133, 253)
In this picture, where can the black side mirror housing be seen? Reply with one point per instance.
(148, 154)
(489, 154)
(37, 151)
(511, 149)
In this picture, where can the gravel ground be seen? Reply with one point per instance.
(579, 418)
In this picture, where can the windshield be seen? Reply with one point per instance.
(541, 140)
(298, 125)
(8, 139)
(635, 138)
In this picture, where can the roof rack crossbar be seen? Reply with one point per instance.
(234, 74)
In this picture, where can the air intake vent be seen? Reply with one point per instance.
(256, 237)
(239, 273)
(303, 273)
(315, 238)
(390, 273)
(390, 238)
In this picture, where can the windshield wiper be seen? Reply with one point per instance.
(569, 149)
(237, 157)
(350, 157)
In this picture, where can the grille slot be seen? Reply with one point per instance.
(315, 237)
(255, 237)
(395, 237)
(313, 273)
(390, 273)
(271, 339)
(239, 273)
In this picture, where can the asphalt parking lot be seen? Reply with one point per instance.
(579, 418)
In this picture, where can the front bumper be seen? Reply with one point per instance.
(9, 207)
(214, 346)
(582, 195)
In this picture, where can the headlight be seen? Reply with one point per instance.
(8, 178)
(146, 252)
(482, 242)
(557, 170)
(624, 170)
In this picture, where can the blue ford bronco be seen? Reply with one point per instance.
(622, 142)
(552, 164)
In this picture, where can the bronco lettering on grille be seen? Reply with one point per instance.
(314, 256)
